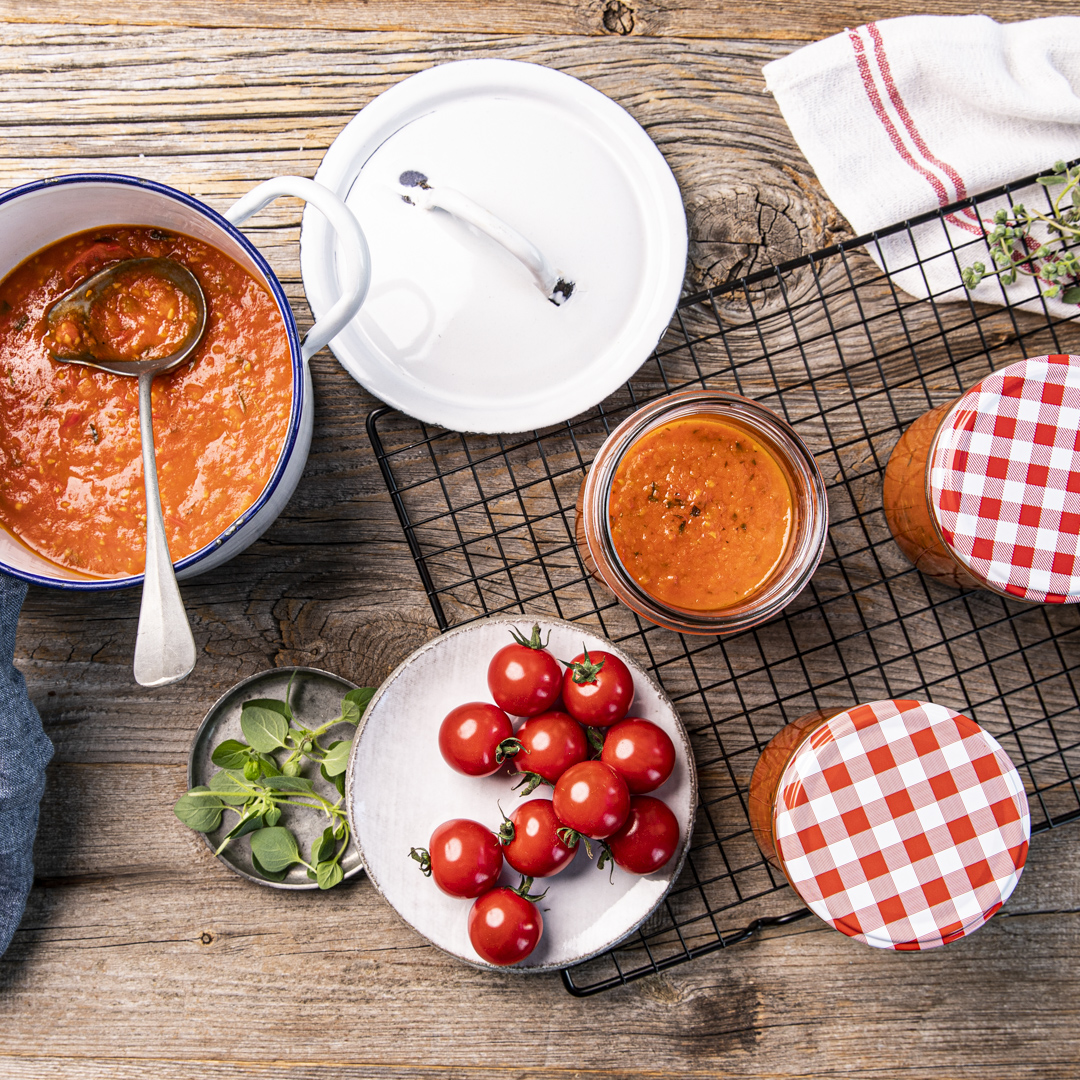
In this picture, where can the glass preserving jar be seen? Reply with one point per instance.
(984, 492)
(900, 823)
(703, 512)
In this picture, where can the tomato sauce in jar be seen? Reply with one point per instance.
(71, 484)
(700, 513)
(984, 492)
(661, 512)
(908, 510)
(900, 823)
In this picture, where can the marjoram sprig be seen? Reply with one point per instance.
(254, 784)
(1014, 250)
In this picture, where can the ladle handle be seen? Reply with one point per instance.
(164, 646)
(351, 243)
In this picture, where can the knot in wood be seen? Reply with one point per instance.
(618, 18)
(206, 938)
(734, 233)
(737, 231)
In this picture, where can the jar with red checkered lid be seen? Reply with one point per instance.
(984, 492)
(900, 823)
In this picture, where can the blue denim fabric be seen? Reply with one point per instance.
(24, 752)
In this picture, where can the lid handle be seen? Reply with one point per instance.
(418, 191)
(352, 243)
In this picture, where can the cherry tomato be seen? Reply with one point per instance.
(504, 927)
(473, 737)
(591, 798)
(524, 678)
(537, 850)
(648, 838)
(550, 744)
(642, 753)
(597, 689)
(465, 857)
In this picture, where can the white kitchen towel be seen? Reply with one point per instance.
(905, 115)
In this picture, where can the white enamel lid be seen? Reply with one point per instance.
(455, 331)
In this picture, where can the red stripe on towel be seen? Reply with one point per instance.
(894, 135)
(914, 133)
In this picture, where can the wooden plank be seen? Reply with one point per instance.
(795, 22)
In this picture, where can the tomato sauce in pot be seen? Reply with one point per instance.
(71, 479)
(139, 315)
(700, 513)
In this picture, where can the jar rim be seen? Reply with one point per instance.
(809, 533)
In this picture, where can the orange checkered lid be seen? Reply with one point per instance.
(902, 823)
(1004, 479)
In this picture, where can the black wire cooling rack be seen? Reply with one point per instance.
(830, 343)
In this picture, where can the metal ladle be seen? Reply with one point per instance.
(164, 646)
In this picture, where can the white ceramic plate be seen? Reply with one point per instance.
(454, 331)
(398, 789)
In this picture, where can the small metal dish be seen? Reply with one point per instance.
(315, 696)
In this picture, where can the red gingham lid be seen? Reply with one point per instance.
(902, 823)
(1005, 479)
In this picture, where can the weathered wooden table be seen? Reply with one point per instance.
(139, 954)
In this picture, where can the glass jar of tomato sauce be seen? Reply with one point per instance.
(984, 492)
(703, 512)
(900, 823)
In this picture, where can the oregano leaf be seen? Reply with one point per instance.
(338, 781)
(269, 765)
(200, 809)
(231, 754)
(263, 728)
(323, 848)
(275, 848)
(245, 825)
(355, 702)
(274, 705)
(337, 757)
(329, 874)
(290, 783)
(276, 875)
(231, 787)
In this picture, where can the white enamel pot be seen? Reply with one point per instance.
(38, 214)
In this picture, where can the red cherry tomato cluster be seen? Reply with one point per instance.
(599, 782)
